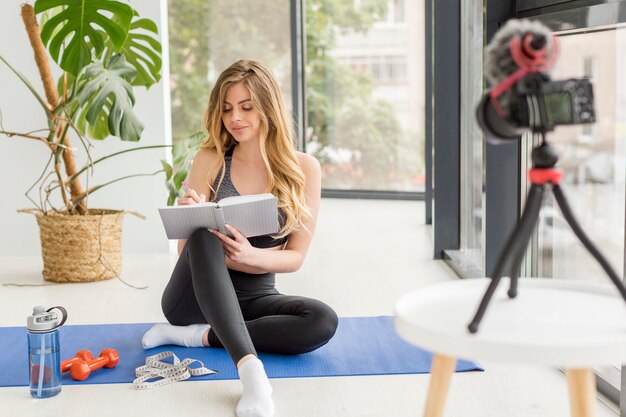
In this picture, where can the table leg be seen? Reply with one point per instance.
(441, 373)
(582, 392)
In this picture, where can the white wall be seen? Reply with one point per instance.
(21, 160)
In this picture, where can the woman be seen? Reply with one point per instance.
(222, 291)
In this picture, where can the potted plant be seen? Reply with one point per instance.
(104, 50)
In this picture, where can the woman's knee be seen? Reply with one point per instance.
(202, 238)
(200, 234)
(322, 325)
(326, 322)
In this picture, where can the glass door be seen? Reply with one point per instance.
(593, 161)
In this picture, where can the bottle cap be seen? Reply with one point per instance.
(42, 320)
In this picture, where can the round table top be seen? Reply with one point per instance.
(550, 322)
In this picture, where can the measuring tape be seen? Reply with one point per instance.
(167, 372)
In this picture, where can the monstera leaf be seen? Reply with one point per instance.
(142, 50)
(105, 100)
(76, 27)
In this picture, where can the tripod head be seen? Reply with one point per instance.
(544, 156)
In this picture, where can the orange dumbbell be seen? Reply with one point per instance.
(108, 359)
(81, 355)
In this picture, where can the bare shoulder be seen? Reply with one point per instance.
(204, 160)
(309, 164)
(206, 156)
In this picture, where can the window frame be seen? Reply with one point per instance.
(445, 130)
(502, 161)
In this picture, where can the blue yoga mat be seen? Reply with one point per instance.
(361, 346)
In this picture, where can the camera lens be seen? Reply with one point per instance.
(491, 122)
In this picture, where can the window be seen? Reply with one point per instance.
(383, 69)
(396, 11)
(592, 158)
(365, 98)
(207, 36)
(364, 79)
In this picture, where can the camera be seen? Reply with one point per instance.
(524, 97)
(539, 104)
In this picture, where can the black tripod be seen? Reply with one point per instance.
(542, 176)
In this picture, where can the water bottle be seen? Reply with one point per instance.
(44, 351)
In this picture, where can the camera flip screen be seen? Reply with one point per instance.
(559, 108)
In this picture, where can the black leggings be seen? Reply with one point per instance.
(245, 311)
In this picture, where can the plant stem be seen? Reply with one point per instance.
(43, 64)
(92, 163)
(23, 135)
(37, 138)
(57, 170)
(97, 187)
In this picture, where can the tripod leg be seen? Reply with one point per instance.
(582, 236)
(531, 209)
(513, 245)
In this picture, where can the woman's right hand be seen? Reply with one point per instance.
(191, 198)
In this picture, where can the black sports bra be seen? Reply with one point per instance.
(227, 189)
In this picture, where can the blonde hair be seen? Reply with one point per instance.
(276, 138)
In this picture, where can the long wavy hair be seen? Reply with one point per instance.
(276, 138)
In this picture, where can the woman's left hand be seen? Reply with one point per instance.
(237, 248)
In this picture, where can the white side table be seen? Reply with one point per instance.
(557, 323)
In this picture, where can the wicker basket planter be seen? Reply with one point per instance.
(81, 248)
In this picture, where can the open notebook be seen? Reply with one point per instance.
(252, 215)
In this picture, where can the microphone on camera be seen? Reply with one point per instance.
(519, 48)
(519, 44)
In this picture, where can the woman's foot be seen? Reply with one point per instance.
(256, 400)
(166, 334)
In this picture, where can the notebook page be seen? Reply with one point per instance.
(253, 218)
(181, 221)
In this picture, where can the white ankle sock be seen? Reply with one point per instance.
(256, 400)
(166, 334)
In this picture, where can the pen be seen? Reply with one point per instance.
(187, 189)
